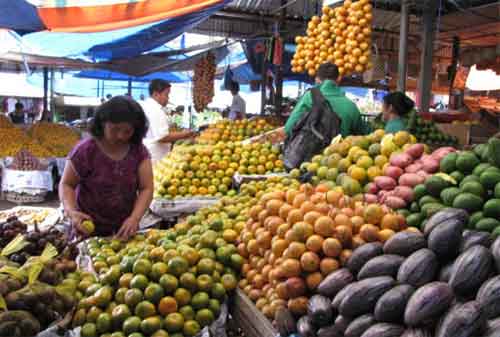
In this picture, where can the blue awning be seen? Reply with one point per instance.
(116, 44)
(113, 76)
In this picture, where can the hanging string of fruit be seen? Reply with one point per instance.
(203, 82)
(341, 35)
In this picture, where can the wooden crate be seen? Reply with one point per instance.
(247, 317)
(461, 131)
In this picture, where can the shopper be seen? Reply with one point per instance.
(238, 106)
(326, 79)
(17, 116)
(158, 138)
(108, 177)
(395, 109)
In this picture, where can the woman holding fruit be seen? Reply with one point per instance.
(395, 108)
(108, 178)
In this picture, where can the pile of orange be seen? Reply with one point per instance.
(342, 35)
(294, 239)
(229, 130)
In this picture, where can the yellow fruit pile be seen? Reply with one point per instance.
(203, 82)
(356, 160)
(296, 237)
(57, 138)
(228, 130)
(5, 122)
(209, 169)
(341, 35)
(14, 140)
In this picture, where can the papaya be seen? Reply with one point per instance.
(358, 326)
(419, 268)
(319, 310)
(305, 327)
(445, 239)
(479, 150)
(462, 320)
(363, 254)
(329, 331)
(457, 215)
(445, 272)
(337, 300)
(495, 252)
(404, 243)
(428, 303)
(472, 238)
(335, 282)
(342, 322)
(468, 178)
(479, 169)
(488, 297)
(427, 200)
(362, 297)
(383, 265)
(473, 187)
(390, 307)
(384, 330)
(470, 270)
(474, 219)
(417, 333)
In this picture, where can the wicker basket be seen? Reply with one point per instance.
(23, 198)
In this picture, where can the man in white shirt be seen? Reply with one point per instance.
(238, 106)
(158, 138)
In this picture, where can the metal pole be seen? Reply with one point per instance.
(403, 46)
(279, 72)
(129, 87)
(98, 91)
(102, 89)
(45, 92)
(263, 84)
(52, 101)
(428, 35)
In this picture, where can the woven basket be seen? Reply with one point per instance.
(22, 198)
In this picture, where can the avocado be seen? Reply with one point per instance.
(469, 202)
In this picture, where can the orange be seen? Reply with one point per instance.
(390, 221)
(373, 214)
(332, 247)
(324, 226)
(314, 243)
(167, 305)
(309, 262)
(328, 265)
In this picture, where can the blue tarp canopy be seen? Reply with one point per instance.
(117, 44)
(113, 76)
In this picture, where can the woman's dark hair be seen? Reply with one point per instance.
(120, 109)
(19, 105)
(401, 103)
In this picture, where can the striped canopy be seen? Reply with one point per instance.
(25, 16)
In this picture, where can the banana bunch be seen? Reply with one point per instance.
(203, 87)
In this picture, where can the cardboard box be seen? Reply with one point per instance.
(461, 131)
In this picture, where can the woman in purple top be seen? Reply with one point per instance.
(109, 177)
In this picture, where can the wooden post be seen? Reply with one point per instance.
(52, 92)
(279, 72)
(263, 84)
(403, 46)
(428, 36)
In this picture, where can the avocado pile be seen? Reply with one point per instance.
(469, 180)
(427, 132)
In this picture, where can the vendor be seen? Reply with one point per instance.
(158, 138)
(238, 105)
(17, 116)
(108, 178)
(395, 108)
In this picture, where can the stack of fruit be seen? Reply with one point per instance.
(356, 160)
(14, 140)
(163, 284)
(428, 132)
(473, 184)
(209, 169)
(228, 130)
(294, 239)
(341, 36)
(25, 161)
(57, 138)
(406, 170)
(441, 283)
(203, 82)
(5, 122)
